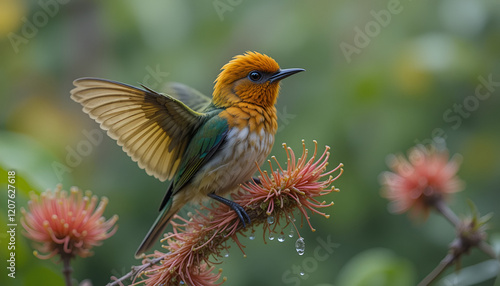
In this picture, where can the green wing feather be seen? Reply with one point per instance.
(152, 128)
(189, 96)
(204, 144)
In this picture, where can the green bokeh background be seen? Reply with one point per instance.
(402, 86)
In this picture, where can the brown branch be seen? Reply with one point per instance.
(136, 270)
(195, 239)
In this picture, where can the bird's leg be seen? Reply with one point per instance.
(240, 212)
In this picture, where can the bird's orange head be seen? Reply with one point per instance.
(251, 77)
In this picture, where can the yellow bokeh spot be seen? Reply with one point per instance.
(481, 156)
(11, 13)
(410, 76)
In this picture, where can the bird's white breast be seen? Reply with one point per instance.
(234, 163)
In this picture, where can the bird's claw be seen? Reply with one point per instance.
(239, 210)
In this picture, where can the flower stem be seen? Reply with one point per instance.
(447, 261)
(443, 208)
(67, 270)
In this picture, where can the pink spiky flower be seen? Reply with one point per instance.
(418, 183)
(66, 225)
(194, 241)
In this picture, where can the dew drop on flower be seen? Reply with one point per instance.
(300, 246)
(226, 254)
(271, 236)
(251, 236)
(270, 219)
(281, 237)
(302, 273)
(291, 233)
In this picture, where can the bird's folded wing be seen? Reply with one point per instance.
(153, 129)
(207, 140)
(189, 96)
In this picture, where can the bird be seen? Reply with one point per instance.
(206, 147)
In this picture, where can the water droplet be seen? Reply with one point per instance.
(281, 237)
(270, 219)
(300, 246)
(251, 236)
(226, 254)
(271, 236)
(182, 283)
(302, 273)
(291, 233)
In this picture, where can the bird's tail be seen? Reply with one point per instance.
(157, 229)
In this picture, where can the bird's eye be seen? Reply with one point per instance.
(254, 76)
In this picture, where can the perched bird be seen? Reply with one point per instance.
(205, 147)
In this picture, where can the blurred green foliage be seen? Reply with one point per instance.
(413, 75)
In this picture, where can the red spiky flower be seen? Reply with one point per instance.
(193, 242)
(66, 225)
(428, 176)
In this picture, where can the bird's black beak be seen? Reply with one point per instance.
(281, 74)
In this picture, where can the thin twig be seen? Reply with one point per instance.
(443, 208)
(447, 261)
(462, 244)
(136, 270)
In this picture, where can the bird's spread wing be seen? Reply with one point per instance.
(189, 96)
(153, 129)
